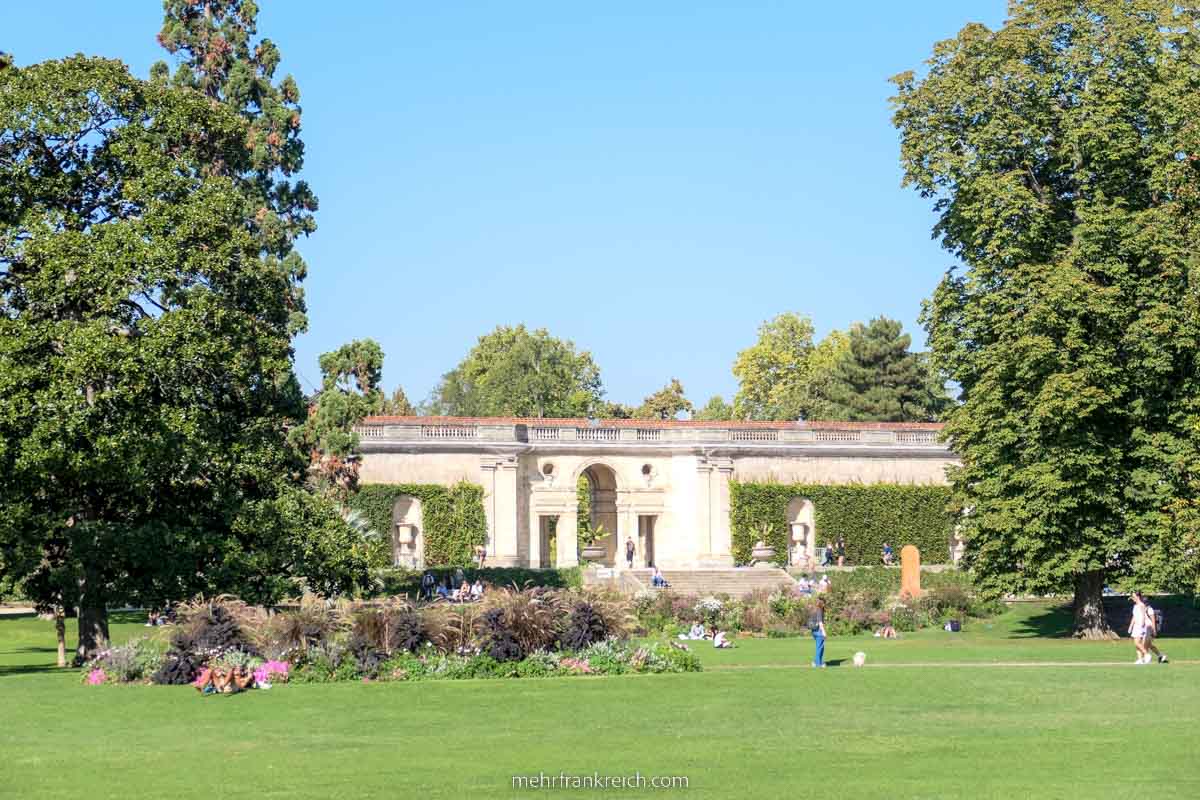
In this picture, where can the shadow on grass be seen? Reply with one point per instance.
(1053, 623)
(29, 669)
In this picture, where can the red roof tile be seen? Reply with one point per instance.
(822, 425)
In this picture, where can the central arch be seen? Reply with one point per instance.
(597, 489)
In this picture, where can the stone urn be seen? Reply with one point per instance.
(593, 552)
(404, 534)
(763, 554)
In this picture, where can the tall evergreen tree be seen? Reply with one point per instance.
(146, 375)
(878, 379)
(1063, 156)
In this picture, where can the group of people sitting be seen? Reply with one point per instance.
(223, 680)
(698, 632)
(160, 616)
(806, 585)
(454, 590)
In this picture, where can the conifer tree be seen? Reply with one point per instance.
(878, 379)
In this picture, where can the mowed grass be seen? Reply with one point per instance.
(952, 722)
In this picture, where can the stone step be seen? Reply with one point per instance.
(736, 582)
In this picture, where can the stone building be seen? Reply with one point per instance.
(663, 484)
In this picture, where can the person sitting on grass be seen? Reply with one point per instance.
(888, 558)
(823, 584)
(697, 632)
(477, 589)
(443, 589)
(719, 640)
(886, 632)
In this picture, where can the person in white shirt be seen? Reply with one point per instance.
(1148, 645)
(1137, 628)
(719, 640)
(477, 589)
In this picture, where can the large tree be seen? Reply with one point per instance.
(715, 410)
(773, 373)
(667, 403)
(878, 379)
(145, 353)
(1062, 154)
(517, 372)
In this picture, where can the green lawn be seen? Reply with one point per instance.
(756, 723)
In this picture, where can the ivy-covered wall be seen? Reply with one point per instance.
(452, 519)
(865, 515)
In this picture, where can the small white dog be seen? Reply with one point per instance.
(860, 658)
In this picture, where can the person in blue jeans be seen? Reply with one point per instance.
(816, 623)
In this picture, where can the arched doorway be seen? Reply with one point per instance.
(802, 532)
(408, 537)
(597, 512)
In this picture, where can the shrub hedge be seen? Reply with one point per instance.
(864, 515)
(452, 518)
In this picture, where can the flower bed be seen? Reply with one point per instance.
(855, 602)
(224, 645)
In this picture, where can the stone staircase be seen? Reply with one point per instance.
(733, 581)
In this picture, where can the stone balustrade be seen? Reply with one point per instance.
(381, 432)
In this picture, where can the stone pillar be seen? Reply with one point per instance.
(722, 535)
(703, 509)
(535, 539)
(568, 539)
(501, 507)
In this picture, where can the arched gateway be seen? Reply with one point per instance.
(662, 484)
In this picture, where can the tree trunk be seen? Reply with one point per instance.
(93, 615)
(60, 630)
(1089, 607)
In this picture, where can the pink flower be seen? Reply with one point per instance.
(96, 677)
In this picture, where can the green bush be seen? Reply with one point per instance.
(452, 518)
(864, 515)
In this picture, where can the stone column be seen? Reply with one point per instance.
(722, 535)
(500, 505)
(703, 535)
(568, 541)
(535, 539)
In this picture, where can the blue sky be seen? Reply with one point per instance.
(650, 180)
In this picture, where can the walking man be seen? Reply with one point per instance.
(629, 550)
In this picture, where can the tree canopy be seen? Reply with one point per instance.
(350, 379)
(517, 372)
(716, 410)
(667, 403)
(145, 351)
(773, 373)
(878, 379)
(1063, 159)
